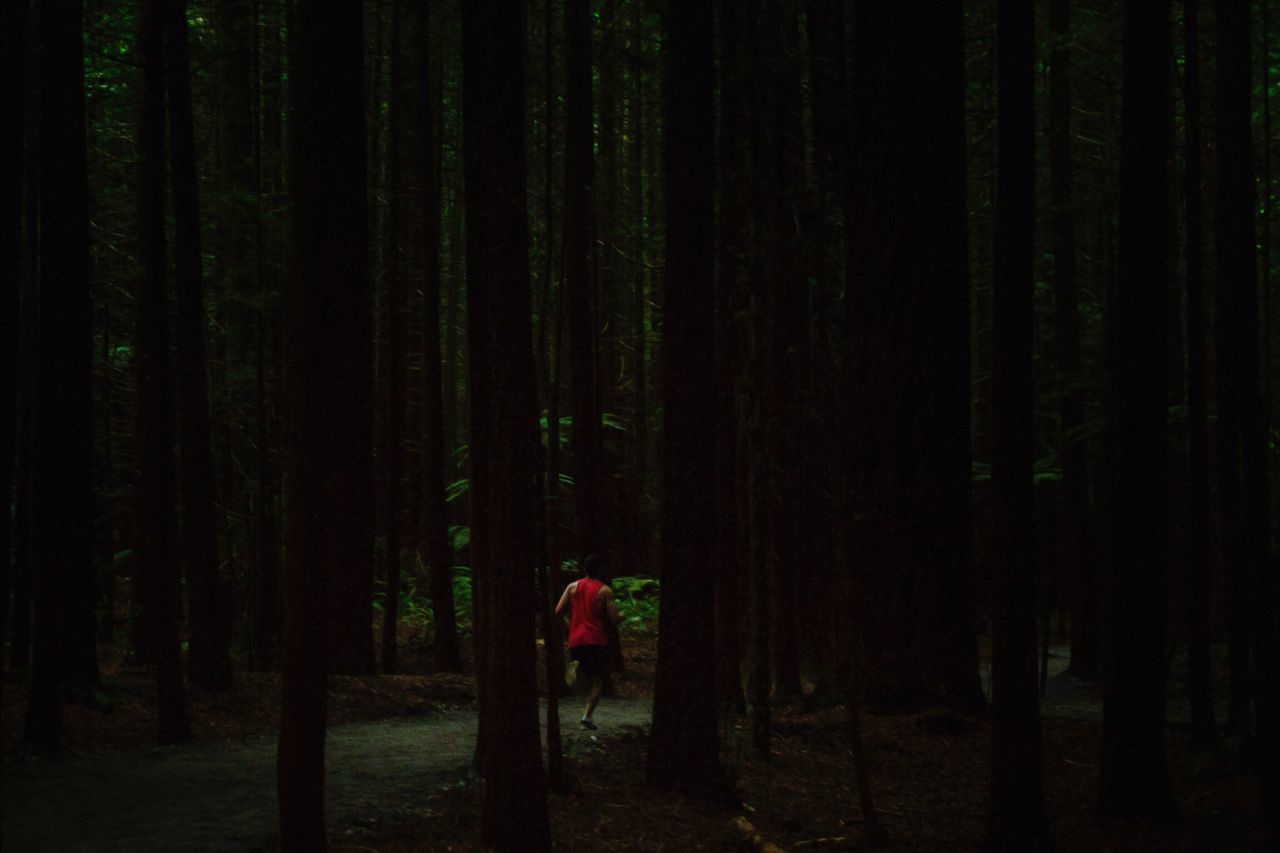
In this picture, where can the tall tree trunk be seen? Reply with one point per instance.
(157, 523)
(62, 422)
(435, 519)
(829, 643)
(20, 637)
(1197, 591)
(350, 583)
(1264, 237)
(907, 269)
(684, 742)
(209, 663)
(755, 453)
(753, 388)
(109, 544)
(455, 431)
(781, 157)
(503, 398)
(1238, 307)
(329, 320)
(393, 475)
(232, 274)
(1017, 820)
(732, 247)
(1074, 567)
(481, 343)
(579, 196)
(13, 63)
(639, 307)
(548, 542)
(606, 244)
(549, 579)
(1235, 263)
(1133, 777)
(269, 147)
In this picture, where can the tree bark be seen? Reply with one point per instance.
(1197, 591)
(1133, 777)
(684, 742)
(14, 37)
(330, 417)
(393, 459)
(1232, 79)
(579, 198)
(642, 557)
(158, 554)
(733, 245)
(829, 644)
(753, 390)
(20, 637)
(549, 579)
(1017, 820)
(232, 275)
(350, 608)
(435, 519)
(62, 423)
(1238, 317)
(503, 402)
(1075, 568)
(780, 159)
(209, 663)
(910, 466)
(269, 181)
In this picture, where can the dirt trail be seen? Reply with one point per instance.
(222, 797)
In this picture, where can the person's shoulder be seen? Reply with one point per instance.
(605, 590)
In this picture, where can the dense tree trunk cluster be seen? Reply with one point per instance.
(878, 337)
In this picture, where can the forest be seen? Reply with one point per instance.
(906, 367)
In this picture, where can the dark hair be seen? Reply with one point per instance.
(591, 565)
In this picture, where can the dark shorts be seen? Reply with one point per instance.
(592, 660)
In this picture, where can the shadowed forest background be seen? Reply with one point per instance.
(908, 365)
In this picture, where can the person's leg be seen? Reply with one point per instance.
(593, 696)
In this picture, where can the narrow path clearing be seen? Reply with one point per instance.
(222, 797)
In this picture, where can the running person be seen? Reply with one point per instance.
(589, 601)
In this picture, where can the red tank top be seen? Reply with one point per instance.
(586, 619)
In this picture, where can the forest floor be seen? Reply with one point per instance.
(400, 747)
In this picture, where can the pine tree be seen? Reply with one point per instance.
(504, 444)
(1133, 778)
(684, 742)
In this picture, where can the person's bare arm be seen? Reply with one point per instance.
(564, 599)
(610, 605)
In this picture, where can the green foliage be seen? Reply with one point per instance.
(462, 596)
(457, 489)
(637, 600)
(415, 604)
(608, 420)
